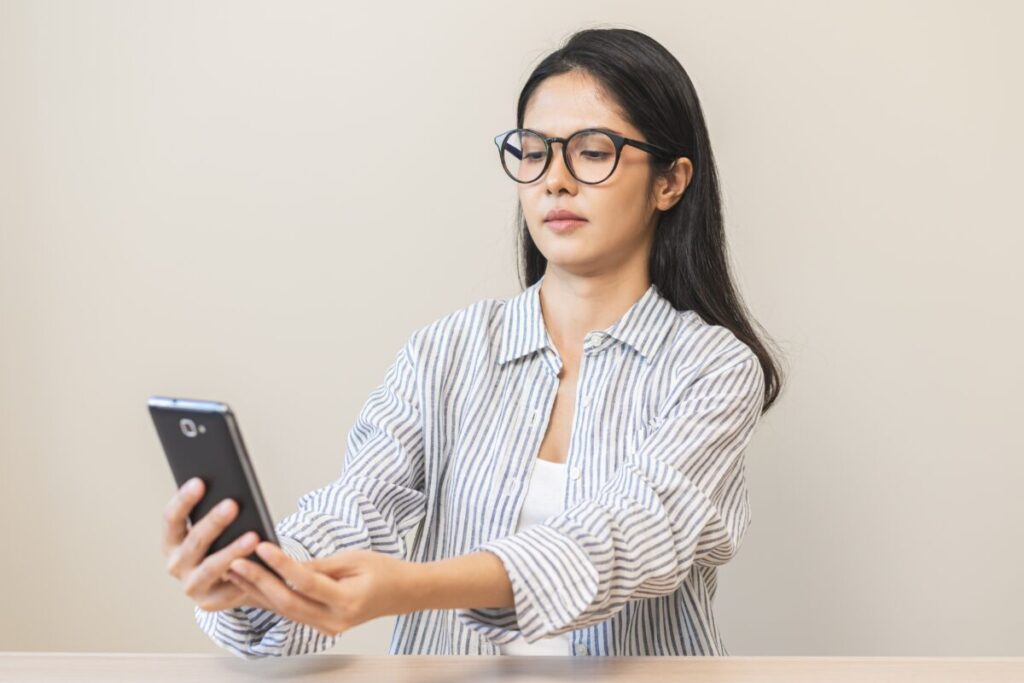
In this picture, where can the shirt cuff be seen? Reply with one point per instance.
(254, 633)
(553, 582)
(293, 548)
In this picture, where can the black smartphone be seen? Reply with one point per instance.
(202, 439)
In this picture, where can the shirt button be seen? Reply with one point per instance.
(510, 487)
(575, 472)
(586, 400)
(582, 650)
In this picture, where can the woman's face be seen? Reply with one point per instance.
(620, 212)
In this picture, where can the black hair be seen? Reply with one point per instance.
(688, 261)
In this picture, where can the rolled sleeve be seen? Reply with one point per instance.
(378, 499)
(678, 500)
(546, 602)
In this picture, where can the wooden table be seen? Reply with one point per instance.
(67, 667)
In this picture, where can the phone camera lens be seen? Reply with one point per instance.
(188, 427)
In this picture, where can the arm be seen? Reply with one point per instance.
(377, 500)
(680, 499)
(473, 580)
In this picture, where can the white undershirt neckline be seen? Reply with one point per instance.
(544, 498)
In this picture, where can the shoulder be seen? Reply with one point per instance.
(475, 325)
(696, 347)
(710, 359)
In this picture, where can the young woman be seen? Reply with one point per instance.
(571, 457)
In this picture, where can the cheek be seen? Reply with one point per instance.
(533, 205)
(617, 213)
(530, 199)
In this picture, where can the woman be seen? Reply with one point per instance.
(571, 457)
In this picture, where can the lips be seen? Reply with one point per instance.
(562, 215)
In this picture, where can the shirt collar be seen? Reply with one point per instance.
(643, 327)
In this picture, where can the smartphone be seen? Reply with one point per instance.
(202, 439)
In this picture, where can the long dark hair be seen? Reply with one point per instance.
(688, 260)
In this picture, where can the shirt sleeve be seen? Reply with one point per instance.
(377, 500)
(680, 499)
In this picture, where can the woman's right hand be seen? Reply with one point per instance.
(204, 579)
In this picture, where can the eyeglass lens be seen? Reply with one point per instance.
(591, 156)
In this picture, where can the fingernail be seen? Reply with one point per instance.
(193, 485)
(224, 507)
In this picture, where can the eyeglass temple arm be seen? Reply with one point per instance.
(500, 139)
(653, 149)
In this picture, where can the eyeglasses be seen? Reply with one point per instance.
(591, 154)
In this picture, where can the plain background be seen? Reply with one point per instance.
(259, 202)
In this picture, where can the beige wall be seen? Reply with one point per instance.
(230, 201)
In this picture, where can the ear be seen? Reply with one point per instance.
(673, 184)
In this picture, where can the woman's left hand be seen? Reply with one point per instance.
(331, 594)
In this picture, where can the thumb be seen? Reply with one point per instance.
(336, 566)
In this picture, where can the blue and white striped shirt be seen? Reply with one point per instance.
(655, 498)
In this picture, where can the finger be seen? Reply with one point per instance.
(299, 576)
(204, 532)
(282, 600)
(176, 513)
(335, 566)
(212, 570)
(339, 565)
(252, 594)
(224, 596)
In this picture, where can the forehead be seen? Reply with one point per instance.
(571, 101)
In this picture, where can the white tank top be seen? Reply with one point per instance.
(543, 499)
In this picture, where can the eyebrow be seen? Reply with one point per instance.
(601, 128)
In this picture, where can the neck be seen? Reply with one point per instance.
(574, 305)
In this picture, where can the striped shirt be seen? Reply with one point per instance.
(543, 499)
(655, 498)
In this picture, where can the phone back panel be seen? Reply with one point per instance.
(202, 439)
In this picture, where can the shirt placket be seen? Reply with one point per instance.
(537, 418)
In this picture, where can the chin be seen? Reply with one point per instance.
(569, 258)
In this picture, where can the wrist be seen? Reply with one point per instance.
(421, 583)
(474, 580)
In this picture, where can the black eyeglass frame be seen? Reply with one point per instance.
(618, 140)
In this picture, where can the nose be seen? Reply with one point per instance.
(557, 175)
